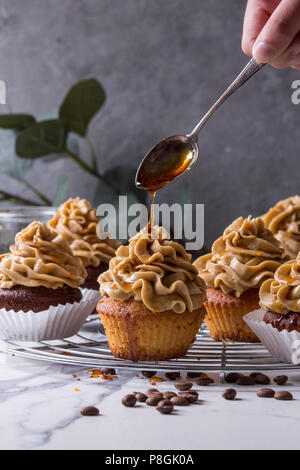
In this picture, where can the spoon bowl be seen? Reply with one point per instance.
(166, 161)
(175, 155)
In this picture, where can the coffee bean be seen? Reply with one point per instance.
(129, 400)
(152, 390)
(195, 375)
(232, 377)
(191, 397)
(168, 395)
(148, 373)
(90, 411)
(245, 380)
(190, 392)
(266, 393)
(183, 385)
(165, 407)
(261, 379)
(281, 379)
(204, 381)
(283, 396)
(157, 395)
(180, 401)
(141, 397)
(108, 371)
(172, 375)
(153, 399)
(229, 394)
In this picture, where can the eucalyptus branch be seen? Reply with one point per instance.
(41, 196)
(48, 137)
(15, 198)
(91, 171)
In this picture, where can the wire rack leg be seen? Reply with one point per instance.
(223, 364)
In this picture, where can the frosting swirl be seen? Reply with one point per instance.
(76, 220)
(284, 222)
(40, 257)
(242, 258)
(156, 271)
(282, 294)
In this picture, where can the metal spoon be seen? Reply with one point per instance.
(176, 154)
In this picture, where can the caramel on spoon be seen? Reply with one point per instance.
(175, 155)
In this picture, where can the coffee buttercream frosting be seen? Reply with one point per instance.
(282, 294)
(284, 222)
(40, 257)
(76, 220)
(243, 258)
(156, 271)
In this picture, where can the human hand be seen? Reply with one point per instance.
(272, 32)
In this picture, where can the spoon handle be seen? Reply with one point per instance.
(251, 68)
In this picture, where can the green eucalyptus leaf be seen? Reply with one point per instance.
(43, 138)
(61, 190)
(10, 164)
(72, 139)
(16, 121)
(80, 105)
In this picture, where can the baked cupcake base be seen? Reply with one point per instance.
(136, 333)
(283, 343)
(37, 299)
(225, 314)
(289, 322)
(91, 282)
(55, 322)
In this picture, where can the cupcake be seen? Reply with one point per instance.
(39, 280)
(152, 304)
(241, 260)
(284, 222)
(278, 323)
(76, 220)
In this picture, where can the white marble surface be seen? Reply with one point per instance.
(40, 409)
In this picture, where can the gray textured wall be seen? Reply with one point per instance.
(162, 63)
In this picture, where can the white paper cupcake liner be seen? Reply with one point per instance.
(283, 345)
(58, 322)
(93, 295)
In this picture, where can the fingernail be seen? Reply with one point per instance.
(263, 52)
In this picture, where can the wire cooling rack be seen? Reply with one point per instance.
(90, 348)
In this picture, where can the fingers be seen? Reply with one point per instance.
(278, 33)
(291, 56)
(257, 14)
(272, 32)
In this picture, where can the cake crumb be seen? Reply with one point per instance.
(155, 380)
(97, 373)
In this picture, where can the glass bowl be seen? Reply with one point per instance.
(15, 218)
